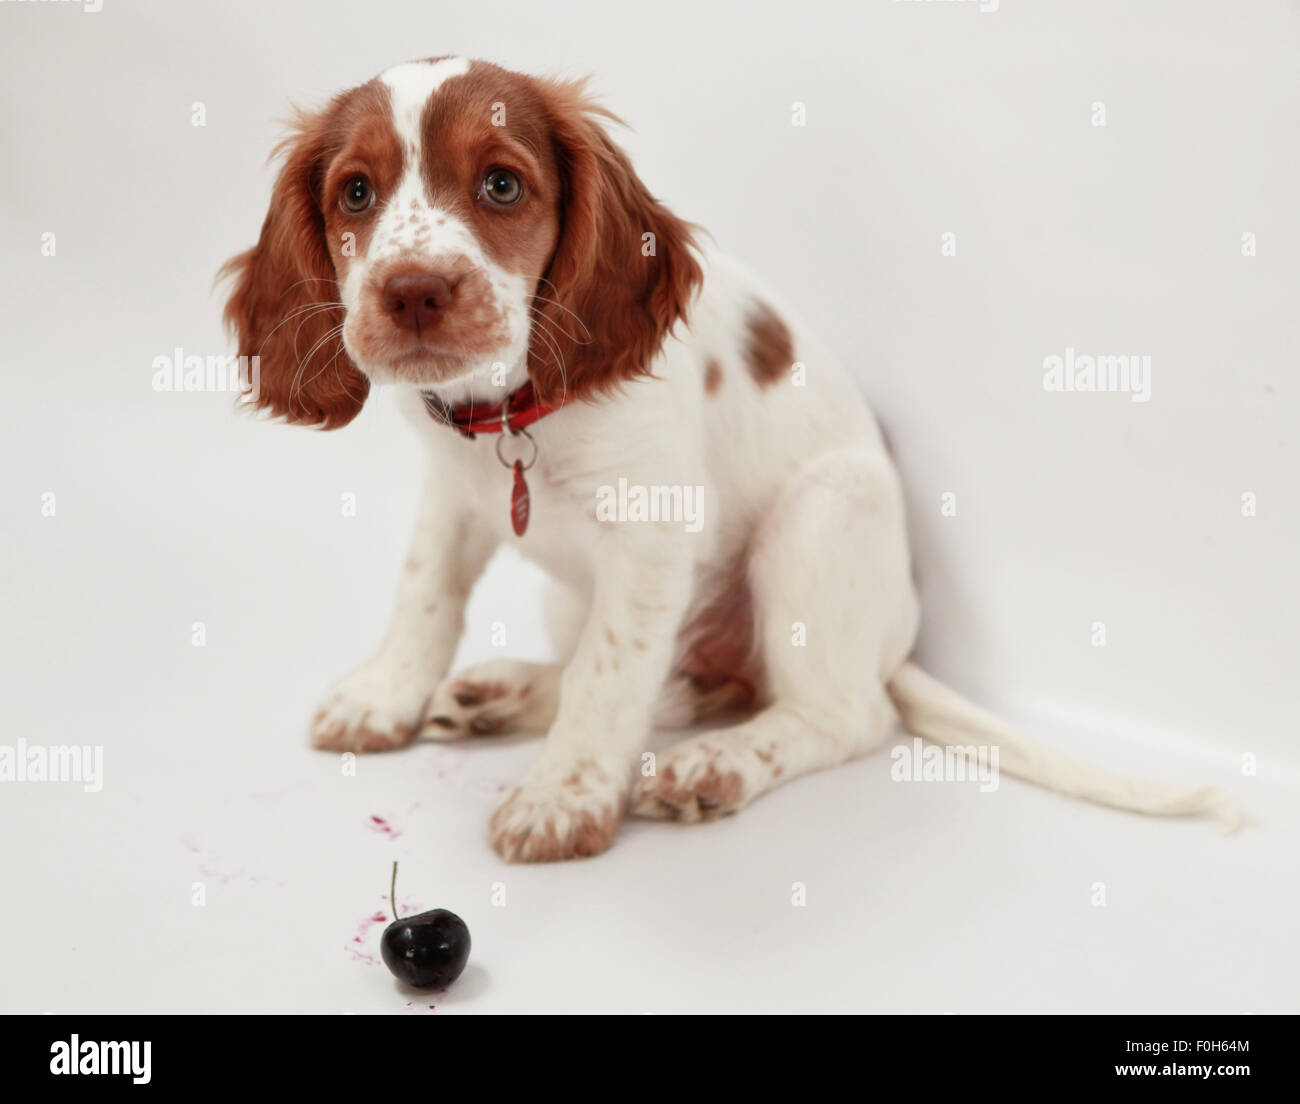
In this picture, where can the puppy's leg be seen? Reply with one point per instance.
(381, 704)
(502, 695)
(837, 614)
(506, 695)
(571, 800)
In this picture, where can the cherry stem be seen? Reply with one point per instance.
(392, 892)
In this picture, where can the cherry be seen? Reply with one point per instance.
(428, 950)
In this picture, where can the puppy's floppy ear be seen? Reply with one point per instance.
(623, 271)
(284, 306)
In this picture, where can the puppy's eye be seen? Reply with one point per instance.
(357, 194)
(502, 187)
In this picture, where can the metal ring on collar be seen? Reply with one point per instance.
(501, 440)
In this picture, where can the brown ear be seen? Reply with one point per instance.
(615, 293)
(285, 306)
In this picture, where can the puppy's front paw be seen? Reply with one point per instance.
(495, 697)
(376, 708)
(559, 815)
(696, 780)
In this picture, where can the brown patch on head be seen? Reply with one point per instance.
(712, 377)
(623, 271)
(769, 348)
(369, 147)
(609, 270)
(462, 142)
(279, 304)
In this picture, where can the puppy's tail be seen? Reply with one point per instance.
(932, 710)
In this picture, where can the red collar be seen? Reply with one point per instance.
(519, 410)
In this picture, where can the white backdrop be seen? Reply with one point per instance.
(922, 120)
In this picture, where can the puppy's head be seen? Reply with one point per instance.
(447, 222)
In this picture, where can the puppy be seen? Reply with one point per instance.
(639, 416)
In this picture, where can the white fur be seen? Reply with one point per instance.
(412, 228)
(796, 485)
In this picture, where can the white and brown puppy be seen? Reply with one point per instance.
(473, 237)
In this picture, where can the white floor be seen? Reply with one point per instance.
(131, 515)
(919, 897)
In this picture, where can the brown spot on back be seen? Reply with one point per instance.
(712, 377)
(769, 348)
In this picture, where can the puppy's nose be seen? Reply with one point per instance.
(415, 302)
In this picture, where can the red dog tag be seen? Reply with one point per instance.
(519, 501)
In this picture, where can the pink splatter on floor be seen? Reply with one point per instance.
(361, 938)
(218, 869)
(225, 877)
(361, 942)
(389, 825)
(447, 762)
(302, 785)
(384, 827)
